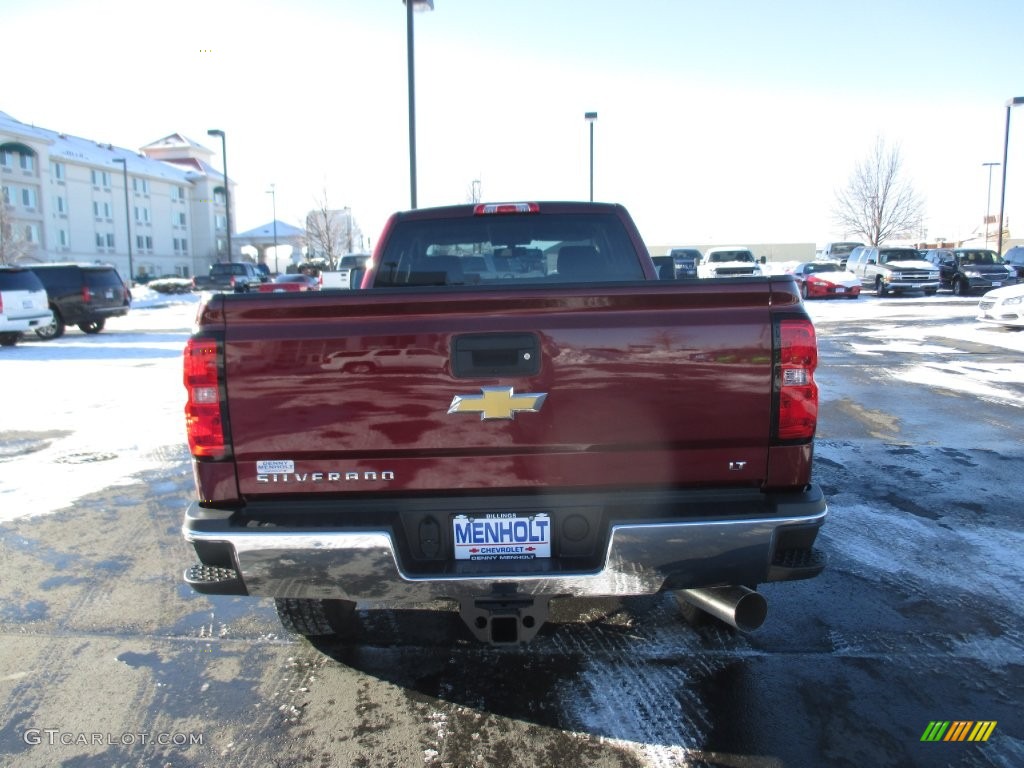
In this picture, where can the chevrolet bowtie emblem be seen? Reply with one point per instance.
(497, 403)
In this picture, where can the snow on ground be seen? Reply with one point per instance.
(82, 413)
(944, 343)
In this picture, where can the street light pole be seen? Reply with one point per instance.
(1006, 146)
(410, 6)
(227, 191)
(273, 200)
(988, 200)
(591, 117)
(127, 219)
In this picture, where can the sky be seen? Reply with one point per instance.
(718, 123)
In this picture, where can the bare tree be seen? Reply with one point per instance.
(877, 203)
(326, 233)
(13, 245)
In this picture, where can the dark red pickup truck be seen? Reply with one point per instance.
(513, 409)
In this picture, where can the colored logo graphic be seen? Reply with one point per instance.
(959, 730)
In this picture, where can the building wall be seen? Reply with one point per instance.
(71, 193)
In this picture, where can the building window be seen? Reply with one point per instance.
(141, 186)
(28, 198)
(179, 219)
(60, 204)
(57, 170)
(99, 240)
(6, 159)
(178, 193)
(5, 192)
(218, 197)
(101, 210)
(221, 221)
(141, 215)
(31, 233)
(28, 163)
(62, 237)
(182, 270)
(100, 178)
(110, 241)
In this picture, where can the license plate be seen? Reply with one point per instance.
(502, 537)
(27, 304)
(840, 290)
(110, 293)
(996, 284)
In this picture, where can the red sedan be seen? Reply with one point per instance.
(825, 279)
(283, 283)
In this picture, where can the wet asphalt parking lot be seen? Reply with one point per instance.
(109, 660)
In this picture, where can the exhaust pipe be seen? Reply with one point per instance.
(738, 607)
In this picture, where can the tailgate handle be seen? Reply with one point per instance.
(485, 355)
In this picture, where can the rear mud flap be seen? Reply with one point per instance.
(500, 619)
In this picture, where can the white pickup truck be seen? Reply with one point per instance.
(349, 274)
(729, 262)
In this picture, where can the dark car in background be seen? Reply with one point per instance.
(966, 270)
(81, 294)
(1015, 258)
(686, 261)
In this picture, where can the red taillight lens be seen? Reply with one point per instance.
(798, 394)
(486, 209)
(203, 421)
(86, 294)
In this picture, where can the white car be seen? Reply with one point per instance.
(1003, 306)
(24, 305)
(735, 261)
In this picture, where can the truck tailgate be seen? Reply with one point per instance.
(645, 386)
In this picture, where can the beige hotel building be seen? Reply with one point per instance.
(63, 199)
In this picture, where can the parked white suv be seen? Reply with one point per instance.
(735, 261)
(893, 269)
(23, 304)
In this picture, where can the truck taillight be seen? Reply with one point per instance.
(487, 209)
(204, 422)
(797, 393)
(86, 294)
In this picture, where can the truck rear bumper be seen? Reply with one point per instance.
(642, 557)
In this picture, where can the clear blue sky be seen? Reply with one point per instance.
(726, 122)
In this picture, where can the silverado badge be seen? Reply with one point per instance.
(497, 403)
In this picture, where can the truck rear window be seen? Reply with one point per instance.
(505, 249)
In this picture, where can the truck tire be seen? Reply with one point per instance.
(315, 618)
(9, 339)
(92, 326)
(880, 287)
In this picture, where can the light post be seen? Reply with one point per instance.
(127, 219)
(227, 192)
(591, 117)
(1006, 145)
(273, 200)
(410, 6)
(988, 200)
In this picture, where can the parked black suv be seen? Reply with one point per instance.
(964, 270)
(81, 294)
